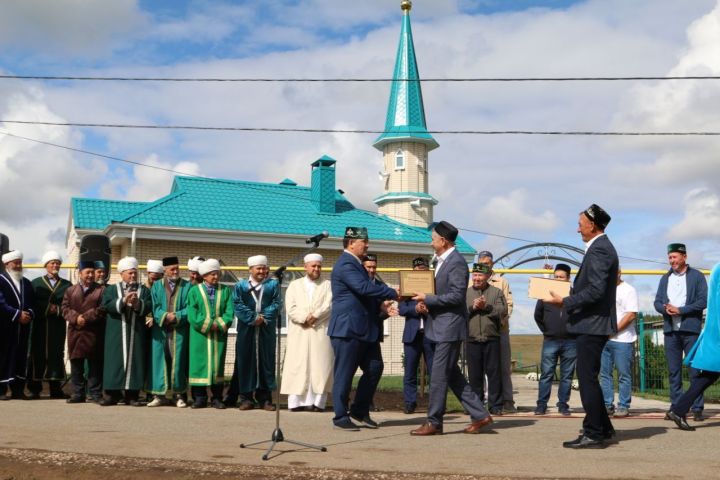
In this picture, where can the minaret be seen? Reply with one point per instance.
(406, 142)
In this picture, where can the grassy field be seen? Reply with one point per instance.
(526, 351)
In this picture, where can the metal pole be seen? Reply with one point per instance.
(641, 344)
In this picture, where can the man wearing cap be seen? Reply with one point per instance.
(415, 343)
(447, 328)
(486, 308)
(100, 272)
(681, 298)
(47, 340)
(16, 312)
(501, 282)
(169, 355)
(193, 266)
(592, 318)
(155, 272)
(257, 307)
(127, 304)
(307, 369)
(354, 331)
(558, 347)
(210, 314)
(85, 317)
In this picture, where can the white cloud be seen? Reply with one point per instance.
(514, 212)
(701, 218)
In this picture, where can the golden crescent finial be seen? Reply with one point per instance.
(406, 5)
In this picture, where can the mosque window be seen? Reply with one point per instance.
(399, 160)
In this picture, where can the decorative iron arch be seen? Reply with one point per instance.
(540, 251)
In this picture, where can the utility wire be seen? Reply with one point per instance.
(349, 80)
(361, 131)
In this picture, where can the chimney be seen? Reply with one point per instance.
(322, 188)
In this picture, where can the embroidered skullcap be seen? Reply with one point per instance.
(420, 261)
(360, 233)
(370, 257)
(597, 215)
(446, 230)
(677, 247)
(563, 267)
(482, 268)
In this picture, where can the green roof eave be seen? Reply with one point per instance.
(422, 196)
(406, 134)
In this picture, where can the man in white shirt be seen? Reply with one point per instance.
(618, 352)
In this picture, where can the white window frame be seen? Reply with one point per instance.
(399, 155)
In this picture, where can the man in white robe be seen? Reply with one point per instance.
(308, 366)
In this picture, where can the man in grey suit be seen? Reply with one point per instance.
(447, 328)
(592, 318)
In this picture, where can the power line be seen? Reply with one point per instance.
(576, 133)
(359, 80)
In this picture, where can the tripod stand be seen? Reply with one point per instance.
(277, 434)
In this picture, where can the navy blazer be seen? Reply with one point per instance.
(355, 300)
(448, 315)
(14, 336)
(591, 307)
(412, 320)
(692, 313)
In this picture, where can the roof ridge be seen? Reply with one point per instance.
(236, 182)
(155, 204)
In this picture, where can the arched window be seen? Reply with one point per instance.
(399, 160)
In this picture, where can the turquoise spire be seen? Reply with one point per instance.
(406, 114)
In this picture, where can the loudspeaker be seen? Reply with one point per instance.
(94, 248)
(4, 248)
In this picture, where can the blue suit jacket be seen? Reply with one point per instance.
(691, 314)
(354, 301)
(412, 320)
(448, 317)
(591, 307)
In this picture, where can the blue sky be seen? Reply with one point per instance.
(657, 190)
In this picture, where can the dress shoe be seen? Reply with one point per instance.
(680, 421)
(135, 403)
(426, 430)
(58, 395)
(606, 435)
(540, 411)
(246, 405)
(347, 425)
(268, 406)
(564, 411)
(107, 402)
(5, 397)
(698, 416)
(496, 411)
(509, 408)
(365, 421)
(315, 408)
(584, 442)
(298, 409)
(477, 426)
(409, 408)
(199, 404)
(94, 399)
(33, 396)
(75, 399)
(217, 403)
(230, 402)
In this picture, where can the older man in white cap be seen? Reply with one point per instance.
(210, 314)
(257, 307)
(16, 313)
(47, 340)
(193, 266)
(308, 366)
(127, 304)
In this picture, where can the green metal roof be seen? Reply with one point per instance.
(406, 113)
(243, 206)
(405, 195)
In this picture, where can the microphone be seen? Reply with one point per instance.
(318, 237)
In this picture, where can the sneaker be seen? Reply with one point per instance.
(217, 403)
(246, 405)
(347, 425)
(75, 399)
(610, 409)
(410, 408)
(365, 421)
(698, 416)
(509, 408)
(540, 410)
(199, 403)
(621, 412)
(156, 402)
(180, 403)
(564, 411)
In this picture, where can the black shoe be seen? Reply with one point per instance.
(298, 409)
(108, 402)
(217, 403)
(315, 408)
(230, 402)
(58, 395)
(564, 411)
(680, 421)
(135, 403)
(496, 412)
(540, 411)
(346, 425)
(667, 415)
(698, 416)
(94, 399)
(410, 408)
(33, 396)
(606, 435)
(365, 421)
(584, 442)
(75, 399)
(199, 404)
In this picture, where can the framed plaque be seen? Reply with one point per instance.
(540, 288)
(416, 281)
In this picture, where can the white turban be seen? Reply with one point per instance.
(12, 255)
(127, 263)
(155, 266)
(194, 264)
(257, 260)
(313, 257)
(209, 265)
(50, 256)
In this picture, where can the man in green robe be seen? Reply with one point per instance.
(169, 354)
(210, 314)
(127, 304)
(47, 337)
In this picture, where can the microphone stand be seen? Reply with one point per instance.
(277, 434)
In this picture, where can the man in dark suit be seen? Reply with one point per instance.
(591, 319)
(447, 327)
(354, 331)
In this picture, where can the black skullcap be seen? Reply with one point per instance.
(370, 257)
(563, 267)
(677, 247)
(82, 265)
(360, 233)
(167, 261)
(597, 215)
(420, 261)
(446, 230)
(99, 264)
(482, 268)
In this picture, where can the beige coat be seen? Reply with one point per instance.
(309, 354)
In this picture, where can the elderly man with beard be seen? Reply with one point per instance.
(101, 272)
(16, 313)
(47, 340)
(83, 312)
(169, 359)
(307, 371)
(127, 304)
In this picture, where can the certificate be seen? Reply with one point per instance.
(540, 288)
(416, 281)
